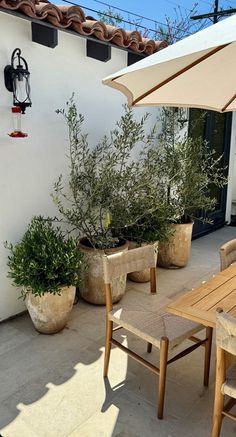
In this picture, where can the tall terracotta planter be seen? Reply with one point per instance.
(92, 284)
(176, 251)
(142, 275)
(50, 312)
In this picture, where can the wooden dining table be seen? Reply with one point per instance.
(200, 304)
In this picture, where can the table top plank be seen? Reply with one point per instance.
(233, 311)
(227, 303)
(204, 317)
(201, 303)
(229, 272)
(197, 294)
(215, 296)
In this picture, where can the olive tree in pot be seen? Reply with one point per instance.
(189, 169)
(46, 264)
(104, 181)
(152, 228)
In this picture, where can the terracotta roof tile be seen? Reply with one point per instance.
(27, 7)
(73, 17)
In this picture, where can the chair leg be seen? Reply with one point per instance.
(219, 397)
(109, 327)
(162, 378)
(207, 356)
(149, 348)
(217, 415)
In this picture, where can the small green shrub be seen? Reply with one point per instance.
(44, 259)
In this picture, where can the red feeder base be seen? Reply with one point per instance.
(18, 134)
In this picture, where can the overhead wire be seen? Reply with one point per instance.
(135, 15)
(123, 10)
(229, 1)
(122, 19)
(206, 2)
(205, 22)
(131, 13)
(150, 19)
(108, 15)
(193, 25)
(178, 4)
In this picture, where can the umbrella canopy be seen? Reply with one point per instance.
(198, 72)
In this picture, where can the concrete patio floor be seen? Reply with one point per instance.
(52, 386)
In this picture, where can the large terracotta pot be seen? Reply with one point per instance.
(50, 312)
(141, 275)
(92, 284)
(175, 252)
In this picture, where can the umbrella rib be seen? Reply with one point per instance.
(228, 103)
(183, 70)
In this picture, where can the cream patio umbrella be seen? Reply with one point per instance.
(198, 71)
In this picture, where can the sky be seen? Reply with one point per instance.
(156, 10)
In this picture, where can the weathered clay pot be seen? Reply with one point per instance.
(141, 275)
(92, 284)
(50, 312)
(175, 252)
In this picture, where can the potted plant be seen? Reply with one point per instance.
(46, 264)
(153, 228)
(105, 182)
(189, 169)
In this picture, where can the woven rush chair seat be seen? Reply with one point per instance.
(227, 254)
(225, 378)
(145, 316)
(153, 325)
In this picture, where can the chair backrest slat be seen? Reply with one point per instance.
(226, 332)
(228, 254)
(134, 260)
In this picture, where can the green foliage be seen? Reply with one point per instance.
(110, 17)
(171, 30)
(44, 259)
(154, 226)
(111, 189)
(132, 184)
(187, 168)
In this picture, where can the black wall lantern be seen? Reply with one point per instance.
(17, 80)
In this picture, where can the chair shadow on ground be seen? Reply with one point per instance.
(72, 362)
(63, 374)
(32, 364)
(135, 396)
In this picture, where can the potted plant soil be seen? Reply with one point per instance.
(105, 181)
(45, 265)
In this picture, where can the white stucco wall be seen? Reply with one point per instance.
(231, 191)
(30, 166)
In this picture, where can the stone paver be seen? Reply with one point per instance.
(52, 386)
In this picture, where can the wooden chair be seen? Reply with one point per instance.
(227, 254)
(225, 379)
(148, 321)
